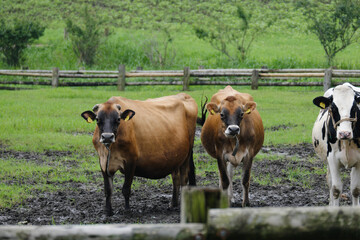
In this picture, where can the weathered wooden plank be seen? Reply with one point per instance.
(255, 80)
(346, 74)
(121, 78)
(89, 75)
(26, 74)
(285, 223)
(186, 79)
(291, 74)
(154, 74)
(104, 232)
(55, 77)
(196, 202)
(327, 79)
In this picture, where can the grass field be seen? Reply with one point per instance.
(45, 121)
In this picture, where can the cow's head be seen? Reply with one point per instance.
(343, 112)
(108, 117)
(232, 112)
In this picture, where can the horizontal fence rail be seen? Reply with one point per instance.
(268, 77)
(205, 216)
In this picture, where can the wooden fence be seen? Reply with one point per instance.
(182, 77)
(206, 217)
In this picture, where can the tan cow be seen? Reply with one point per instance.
(154, 143)
(233, 133)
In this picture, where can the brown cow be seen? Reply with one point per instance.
(233, 133)
(158, 141)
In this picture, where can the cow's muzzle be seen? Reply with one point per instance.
(345, 135)
(107, 138)
(232, 130)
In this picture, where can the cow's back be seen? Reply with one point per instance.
(229, 91)
(163, 131)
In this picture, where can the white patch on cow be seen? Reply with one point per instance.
(228, 132)
(343, 99)
(317, 135)
(230, 170)
(355, 182)
(329, 92)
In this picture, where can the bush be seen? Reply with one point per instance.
(85, 38)
(335, 24)
(15, 37)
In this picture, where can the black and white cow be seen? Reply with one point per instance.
(336, 138)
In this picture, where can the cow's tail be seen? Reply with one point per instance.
(201, 120)
(191, 174)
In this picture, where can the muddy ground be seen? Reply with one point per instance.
(150, 204)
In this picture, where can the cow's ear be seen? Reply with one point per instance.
(89, 116)
(322, 102)
(96, 108)
(249, 107)
(212, 108)
(357, 98)
(127, 115)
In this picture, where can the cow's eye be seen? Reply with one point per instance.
(222, 115)
(118, 120)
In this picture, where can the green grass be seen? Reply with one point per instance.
(20, 178)
(48, 119)
(267, 179)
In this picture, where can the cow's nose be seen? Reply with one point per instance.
(345, 135)
(107, 138)
(232, 130)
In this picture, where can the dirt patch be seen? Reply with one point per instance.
(83, 203)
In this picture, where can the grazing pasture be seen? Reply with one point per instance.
(50, 174)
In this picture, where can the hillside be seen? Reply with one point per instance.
(144, 33)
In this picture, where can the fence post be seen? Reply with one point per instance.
(121, 78)
(196, 202)
(55, 77)
(255, 79)
(186, 80)
(327, 79)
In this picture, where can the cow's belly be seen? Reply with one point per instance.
(349, 155)
(159, 164)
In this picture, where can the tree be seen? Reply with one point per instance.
(85, 37)
(15, 37)
(230, 29)
(163, 19)
(335, 23)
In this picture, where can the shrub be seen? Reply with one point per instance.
(85, 37)
(335, 23)
(15, 37)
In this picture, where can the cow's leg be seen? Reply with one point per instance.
(191, 171)
(355, 184)
(230, 170)
(246, 180)
(328, 180)
(336, 184)
(108, 187)
(176, 187)
(129, 177)
(224, 180)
